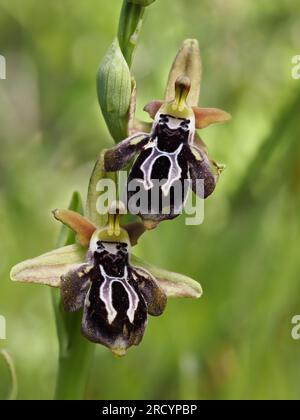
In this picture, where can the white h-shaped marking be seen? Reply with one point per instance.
(106, 295)
(174, 171)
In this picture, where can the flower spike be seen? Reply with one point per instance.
(172, 157)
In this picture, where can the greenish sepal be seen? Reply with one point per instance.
(91, 212)
(173, 284)
(48, 268)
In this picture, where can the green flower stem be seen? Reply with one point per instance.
(12, 370)
(75, 358)
(75, 352)
(129, 28)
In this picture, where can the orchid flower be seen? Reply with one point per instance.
(100, 275)
(170, 154)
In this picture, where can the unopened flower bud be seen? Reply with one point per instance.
(114, 91)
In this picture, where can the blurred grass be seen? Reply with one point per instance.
(235, 342)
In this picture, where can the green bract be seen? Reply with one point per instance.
(114, 91)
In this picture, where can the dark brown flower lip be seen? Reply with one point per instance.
(115, 297)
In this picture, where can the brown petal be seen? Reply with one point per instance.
(152, 107)
(83, 228)
(207, 116)
(135, 230)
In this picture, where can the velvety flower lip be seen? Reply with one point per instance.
(115, 296)
(170, 153)
(99, 275)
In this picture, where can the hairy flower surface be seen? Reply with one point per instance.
(168, 157)
(99, 275)
(115, 295)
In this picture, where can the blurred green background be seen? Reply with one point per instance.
(235, 342)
